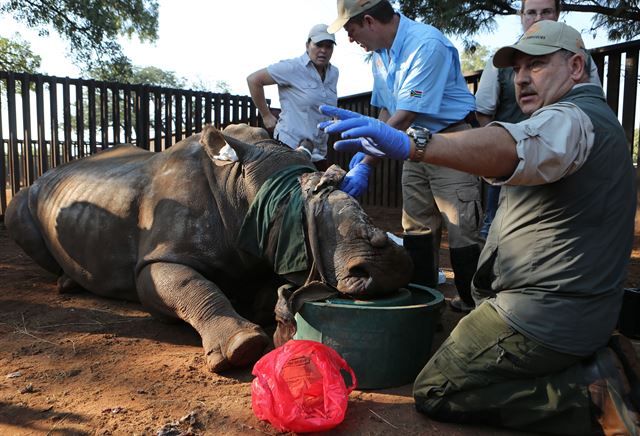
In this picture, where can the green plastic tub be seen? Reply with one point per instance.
(386, 341)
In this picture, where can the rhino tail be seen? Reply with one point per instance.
(66, 285)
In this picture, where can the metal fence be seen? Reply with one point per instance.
(618, 68)
(46, 121)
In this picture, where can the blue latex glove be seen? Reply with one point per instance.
(362, 133)
(356, 159)
(356, 181)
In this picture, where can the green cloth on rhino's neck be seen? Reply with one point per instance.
(282, 190)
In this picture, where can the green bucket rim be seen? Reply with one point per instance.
(438, 299)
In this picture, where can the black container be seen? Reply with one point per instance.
(629, 321)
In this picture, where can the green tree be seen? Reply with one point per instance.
(474, 58)
(123, 71)
(16, 55)
(158, 77)
(219, 86)
(620, 19)
(90, 27)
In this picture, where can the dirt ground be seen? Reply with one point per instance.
(83, 365)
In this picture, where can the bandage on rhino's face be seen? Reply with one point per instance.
(200, 239)
(353, 254)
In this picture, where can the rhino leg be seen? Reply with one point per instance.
(179, 291)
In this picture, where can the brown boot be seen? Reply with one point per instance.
(609, 393)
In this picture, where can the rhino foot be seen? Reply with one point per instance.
(243, 349)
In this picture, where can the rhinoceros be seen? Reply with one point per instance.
(203, 240)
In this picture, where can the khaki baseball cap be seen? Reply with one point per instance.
(542, 38)
(319, 33)
(348, 9)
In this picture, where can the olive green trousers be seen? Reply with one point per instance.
(486, 372)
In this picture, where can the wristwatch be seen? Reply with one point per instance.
(421, 137)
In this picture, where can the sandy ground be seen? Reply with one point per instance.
(83, 365)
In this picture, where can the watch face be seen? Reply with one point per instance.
(420, 134)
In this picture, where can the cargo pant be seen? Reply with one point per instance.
(433, 195)
(488, 373)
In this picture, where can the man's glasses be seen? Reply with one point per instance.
(532, 14)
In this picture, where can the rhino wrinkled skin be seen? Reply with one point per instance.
(161, 228)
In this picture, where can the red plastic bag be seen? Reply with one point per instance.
(299, 387)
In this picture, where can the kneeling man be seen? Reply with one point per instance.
(534, 354)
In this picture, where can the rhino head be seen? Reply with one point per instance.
(345, 252)
(350, 253)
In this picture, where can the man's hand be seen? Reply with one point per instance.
(366, 134)
(356, 159)
(270, 122)
(357, 179)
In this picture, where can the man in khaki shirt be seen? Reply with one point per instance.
(537, 352)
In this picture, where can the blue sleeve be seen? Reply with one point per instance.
(427, 71)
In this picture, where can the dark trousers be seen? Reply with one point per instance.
(487, 372)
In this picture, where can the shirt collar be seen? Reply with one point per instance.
(398, 40)
(305, 58)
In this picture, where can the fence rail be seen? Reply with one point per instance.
(46, 121)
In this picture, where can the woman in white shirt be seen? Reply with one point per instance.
(304, 83)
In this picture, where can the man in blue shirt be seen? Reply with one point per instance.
(418, 84)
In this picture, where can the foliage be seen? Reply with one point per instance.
(123, 71)
(90, 27)
(474, 58)
(16, 55)
(220, 86)
(620, 19)
(157, 76)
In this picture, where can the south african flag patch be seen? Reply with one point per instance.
(415, 93)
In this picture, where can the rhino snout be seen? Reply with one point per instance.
(384, 272)
(363, 279)
(358, 280)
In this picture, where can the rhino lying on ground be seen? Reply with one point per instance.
(196, 240)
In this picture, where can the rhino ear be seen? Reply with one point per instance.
(212, 140)
(244, 151)
(332, 177)
(314, 182)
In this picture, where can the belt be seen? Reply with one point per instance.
(470, 119)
